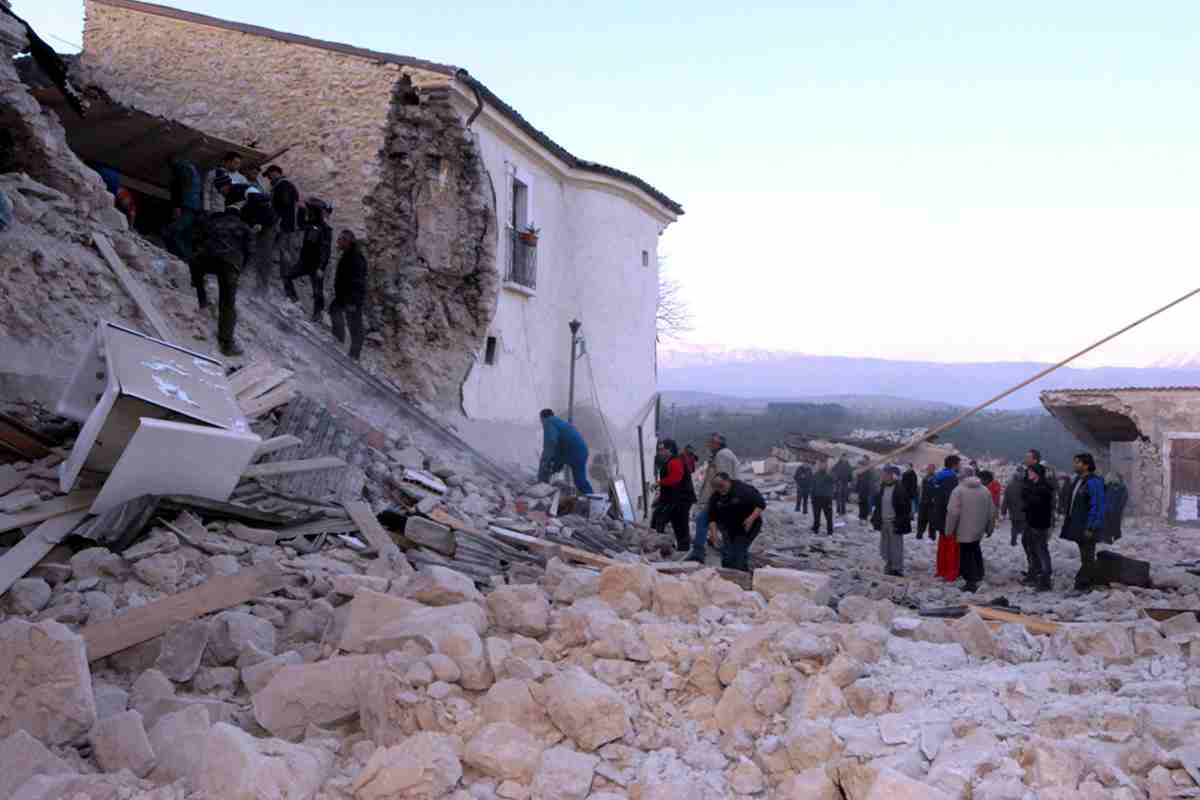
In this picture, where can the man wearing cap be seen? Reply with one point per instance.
(892, 517)
(315, 251)
(227, 245)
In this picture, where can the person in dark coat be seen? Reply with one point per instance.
(803, 478)
(865, 486)
(843, 475)
(945, 481)
(892, 517)
(562, 445)
(187, 207)
(315, 251)
(912, 486)
(677, 494)
(258, 213)
(1084, 521)
(228, 244)
(925, 505)
(349, 293)
(823, 490)
(1037, 511)
(735, 510)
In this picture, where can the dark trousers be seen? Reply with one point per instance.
(579, 473)
(177, 236)
(842, 490)
(864, 506)
(802, 501)
(1037, 550)
(735, 550)
(348, 316)
(971, 562)
(1087, 564)
(679, 516)
(227, 285)
(700, 540)
(822, 505)
(264, 256)
(317, 279)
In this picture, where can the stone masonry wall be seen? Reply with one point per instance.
(330, 109)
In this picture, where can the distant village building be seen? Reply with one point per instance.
(1150, 437)
(486, 237)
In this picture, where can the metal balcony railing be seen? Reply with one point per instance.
(522, 261)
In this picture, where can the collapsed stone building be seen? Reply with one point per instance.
(445, 181)
(1150, 437)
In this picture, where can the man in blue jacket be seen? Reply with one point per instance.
(1084, 518)
(562, 445)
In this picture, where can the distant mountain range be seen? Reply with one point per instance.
(763, 374)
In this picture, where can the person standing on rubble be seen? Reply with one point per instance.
(285, 200)
(843, 474)
(944, 484)
(892, 517)
(349, 293)
(823, 489)
(1012, 507)
(925, 505)
(1037, 502)
(187, 206)
(912, 486)
(315, 251)
(1084, 520)
(258, 213)
(563, 445)
(722, 459)
(970, 515)
(230, 166)
(227, 244)
(866, 485)
(676, 494)
(735, 516)
(804, 479)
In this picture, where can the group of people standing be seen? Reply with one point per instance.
(226, 221)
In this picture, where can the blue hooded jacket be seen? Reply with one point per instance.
(562, 444)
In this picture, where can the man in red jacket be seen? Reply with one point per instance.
(677, 493)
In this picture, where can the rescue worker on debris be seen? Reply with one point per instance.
(735, 513)
(822, 498)
(925, 506)
(315, 251)
(677, 493)
(1084, 519)
(349, 293)
(187, 207)
(258, 213)
(563, 445)
(285, 201)
(803, 479)
(892, 517)
(226, 246)
(843, 474)
(721, 459)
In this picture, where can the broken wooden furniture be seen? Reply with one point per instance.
(157, 419)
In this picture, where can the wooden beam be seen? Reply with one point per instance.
(270, 400)
(75, 501)
(34, 547)
(566, 551)
(133, 288)
(276, 468)
(154, 619)
(1032, 624)
(373, 532)
(1164, 614)
(15, 438)
(241, 380)
(275, 445)
(264, 385)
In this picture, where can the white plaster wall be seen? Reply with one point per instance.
(589, 268)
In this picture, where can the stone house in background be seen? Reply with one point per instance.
(441, 177)
(1148, 436)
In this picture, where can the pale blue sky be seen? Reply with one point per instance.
(945, 180)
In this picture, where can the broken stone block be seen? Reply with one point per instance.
(234, 631)
(511, 700)
(156, 543)
(974, 635)
(348, 585)
(22, 757)
(893, 785)
(370, 611)
(46, 689)
(520, 609)
(423, 766)
(583, 708)
(236, 766)
(181, 650)
(564, 774)
(443, 668)
(309, 624)
(624, 580)
(504, 751)
(150, 686)
(218, 711)
(120, 742)
(316, 694)
(28, 596)
(772, 581)
(257, 676)
(162, 572)
(439, 586)
(926, 655)
(216, 680)
(97, 562)
(747, 778)
(812, 784)
(428, 533)
(178, 741)
(109, 699)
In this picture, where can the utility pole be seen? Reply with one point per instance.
(574, 325)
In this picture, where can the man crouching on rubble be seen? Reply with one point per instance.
(228, 244)
(735, 510)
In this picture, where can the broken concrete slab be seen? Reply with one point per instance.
(324, 693)
(120, 742)
(47, 686)
(236, 766)
(22, 757)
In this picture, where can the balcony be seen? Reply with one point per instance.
(521, 273)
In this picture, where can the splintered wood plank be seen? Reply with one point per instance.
(154, 619)
(248, 375)
(34, 547)
(276, 444)
(275, 468)
(566, 551)
(75, 501)
(379, 539)
(266, 384)
(272, 399)
(133, 288)
(1032, 624)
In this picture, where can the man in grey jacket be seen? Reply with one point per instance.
(721, 460)
(970, 516)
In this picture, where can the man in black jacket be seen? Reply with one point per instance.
(865, 486)
(349, 293)
(735, 510)
(803, 478)
(1037, 509)
(315, 251)
(285, 201)
(823, 489)
(925, 504)
(1084, 521)
(912, 485)
(843, 474)
(227, 245)
(892, 517)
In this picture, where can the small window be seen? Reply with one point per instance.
(645, 258)
(489, 351)
(520, 205)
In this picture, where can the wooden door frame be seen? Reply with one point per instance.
(1166, 454)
